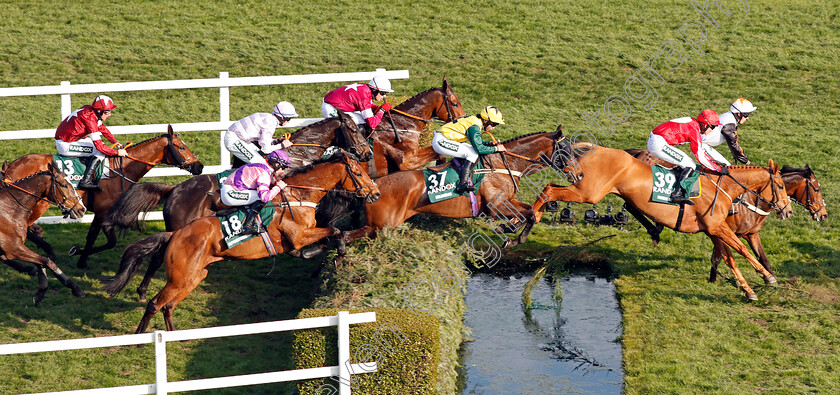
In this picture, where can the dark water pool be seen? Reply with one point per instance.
(573, 349)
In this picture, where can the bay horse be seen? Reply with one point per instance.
(614, 171)
(800, 184)
(404, 193)
(199, 196)
(20, 201)
(407, 120)
(188, 251)
(167, 148)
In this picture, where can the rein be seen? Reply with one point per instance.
(773, 204)
(61, 205)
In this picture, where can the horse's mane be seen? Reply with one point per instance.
(303, 169)
(24, 179)
(146, 141)
(523, 136)
(785, 170)
(410, 101)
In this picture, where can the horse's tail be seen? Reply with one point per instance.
(140, 198)
(132, 258)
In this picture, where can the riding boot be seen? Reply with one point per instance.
(677, 193)
(466, 178)
(251, 225)
(88, 180)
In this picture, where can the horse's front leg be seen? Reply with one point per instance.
(514, 212)
(93, 233)
(553, 192)
(35, 234)
(754, 240)
(304, 237)
(652, 230)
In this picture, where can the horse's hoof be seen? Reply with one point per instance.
(752, 297)
(507, 244)
(73, 251)
(771, 279)
(77, 292)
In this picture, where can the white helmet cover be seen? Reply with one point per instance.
(285, 109)
(381, 83)
(742, 105)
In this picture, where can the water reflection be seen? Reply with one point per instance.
(573, 349)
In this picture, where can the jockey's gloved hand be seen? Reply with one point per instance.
(386, 107)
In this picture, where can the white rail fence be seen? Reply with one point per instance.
(342, 371)
(223, 83)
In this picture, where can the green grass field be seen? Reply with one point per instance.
(542, 63)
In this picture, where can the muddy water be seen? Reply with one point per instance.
(572, 349)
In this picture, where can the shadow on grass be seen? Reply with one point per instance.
(820, 260)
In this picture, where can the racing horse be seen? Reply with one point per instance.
(199, 196)
(167, 148)
(20, 201)
(396, 140)
(801, 184)
(614, 171)
(188, 251)
(404, 193)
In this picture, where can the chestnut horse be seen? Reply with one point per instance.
(199, 196)
(614, 171)
(167, 148)
(20, 201)
(410, 118)
(405, 194)
(746, 222)
(190, 250)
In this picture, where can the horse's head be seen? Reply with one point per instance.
(778, 197)
(350, 137)
(564, 158)
(62, 194)
(178, 154)
(358, 181)
(450, 107)
(802, 185)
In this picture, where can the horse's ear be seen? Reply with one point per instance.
(445, 83)
(558, 133)
(773, 166)
(170, 131)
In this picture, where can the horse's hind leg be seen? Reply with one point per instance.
(717, 255)
(172, 293)
(154, 264)
(42, 286)
(93, 233)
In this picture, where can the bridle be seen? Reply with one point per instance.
(172, 150)
(355, 148)
(59, 199)
(446, 102)
(357, 183)
(808, 196)
(562, 152)
(774, 203)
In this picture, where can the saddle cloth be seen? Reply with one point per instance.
(232, 224)
(75, 167)
(664, 181)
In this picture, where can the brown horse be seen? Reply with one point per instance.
(615, 171)
(405, 193)
(409, 118)
(190, 250)
(746, 222)
(167, 148)
(19, 201)
(199, 196)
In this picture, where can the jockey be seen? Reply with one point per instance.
(242, 137)
(727, 132)
(356, 100)
(462, 139)
(679, 131)
(80, 135)
(255, 184)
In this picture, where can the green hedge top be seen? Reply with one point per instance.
(405, 346)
